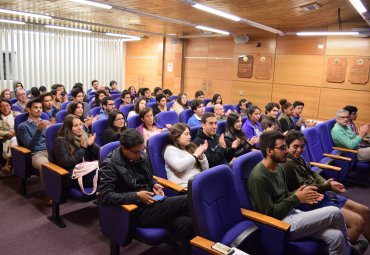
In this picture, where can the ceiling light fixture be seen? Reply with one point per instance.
(12, 21)
(131, 37)
(68, 28)
(212, 30)
(358, 6)
(263, 27)
(326, 33)
(92, 3)
(216, 12)
(27, 14)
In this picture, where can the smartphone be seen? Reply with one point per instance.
(159, 198)
(221, 248)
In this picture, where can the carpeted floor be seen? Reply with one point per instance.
(24, 228)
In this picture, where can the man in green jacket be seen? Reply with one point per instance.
(343, 136)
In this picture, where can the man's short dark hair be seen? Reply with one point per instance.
(159, 97)
(78, 85)
(111, 83)
(167, 92)
(42, 89)
(205, 116)
(351, 109)
(268, 140)
(298, 103)
(270, 106)
(195, 104)
(130, 138)
(56, 86)
(105, 100)
(33, 101)
(143, 90)
(75, 92)
(42, 97)
(294, 135)
(35, 91)
(199, 93)
(92, 82)
(124, 93)
(53, 92)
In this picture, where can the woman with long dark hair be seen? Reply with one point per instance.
(216, 99)
(77, 108)
(99, 95)
(285, 118)
(116, 125)
(180, 104)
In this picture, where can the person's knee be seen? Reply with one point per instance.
(334, 212)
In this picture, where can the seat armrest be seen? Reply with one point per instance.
(267, 220)
(337, 157)
(57, 169)
(204, 244)
(129, 207)
(345, 150)
(325, 166)
(21, 149)
(169, 184)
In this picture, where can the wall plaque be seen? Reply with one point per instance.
(263, 68)
(336, 70)
(359, 72)
(245, 66)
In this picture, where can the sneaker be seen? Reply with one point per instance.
(359, 247)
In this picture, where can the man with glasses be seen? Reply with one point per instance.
(107, 106)
(21, 95)
(343, 136)
(269, 195)
(127, 178)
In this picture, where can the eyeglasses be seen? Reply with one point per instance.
(111, 104)
(136, 152)
(119, 119)
(343, 117)
(282, 148)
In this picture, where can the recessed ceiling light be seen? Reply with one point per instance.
(27, 14)
(12, 21)
(132, 37)
(216, 12)
(213, 30)
(326, 33)
(92, 3)
(68, 28)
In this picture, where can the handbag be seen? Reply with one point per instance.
(84, 168)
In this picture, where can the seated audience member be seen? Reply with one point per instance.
(197, 106)
(216, 99)
(234, 132)
(47, 106)
(269, 195)
(78, 96)
(243, 106)
(168, 94)
(199, 95)
(94, 85)
(160, 106)
(72, 146)
(148, 128)
(80, 87)
(147, 95)
(6, 94)
(183, 158)
(352, 112)
(34, 93)
(116, 125)
(132, 91)
(113, 87)
(77, 108)
(139, 105)
(21, 95)
(298, 173)
(126, 98)
(180, 104)
(219, 112)
(285, 118)
(217, 152)
(99, 95)
(107, 91)
(115, 189)
(107, 105)
(252, 128)
(43, 90)
(7, 132)
(157, 91)
(269, 121)
(297, 117)
(17, 85)
(343, 136)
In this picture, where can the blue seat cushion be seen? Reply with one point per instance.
(152, 236)
(76, 194)
(235, 231)
(307, 246)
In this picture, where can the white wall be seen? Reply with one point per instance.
(43, 56)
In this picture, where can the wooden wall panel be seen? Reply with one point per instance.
(235, 68)
(220, 69)
(309, 95)
(334, 99)
(295, 45)
(222, 87)
(173, 55)
(258, 93)
(196, 47)
(150, 46)
(268, 45)
(192, 84)
(221, 47)
(196, 67)
(299, 69)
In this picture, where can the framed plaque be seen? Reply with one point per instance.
(336, 70)
(263, 68)
(359, 72)
(245, 66)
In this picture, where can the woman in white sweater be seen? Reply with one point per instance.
(183, 158)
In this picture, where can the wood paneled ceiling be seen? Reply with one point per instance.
(284, 15)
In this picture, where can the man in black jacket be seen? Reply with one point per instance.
(217, 153)
(127, 178)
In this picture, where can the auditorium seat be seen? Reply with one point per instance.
(98, 128)
(95, 111)
(60, 116)
(126, 109)
(164, 118)
(133, 121)
(185, 115)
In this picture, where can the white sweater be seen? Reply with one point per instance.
(180, 165)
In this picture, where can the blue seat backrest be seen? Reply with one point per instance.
(90, 98)
(117, 102)
(91, 93)
(106, 149)
(330, 123)
(64, 105)
(150, 104)
(169, 105)
(115, 96)
(155, 149)
(214, 204)
(126, 109)
(221, 127)
(95, 111)
(13, 100)
(313, 145)
(51, 133)
(172, 98)
(98, 128)
(194, 131)
(325, 137)
(237, 108)
(60, 116)
(164, 118)
(228, 107)
(242, 168)
(185, 115)
(208, 109)
(206, 101)
(16, 108)
(134, 121)
(244, 119)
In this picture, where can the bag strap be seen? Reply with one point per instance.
(95, 183)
